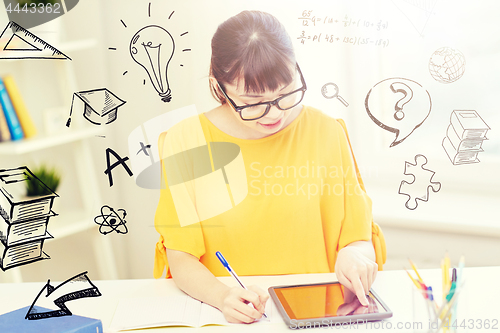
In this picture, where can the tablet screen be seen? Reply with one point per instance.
(324, 300)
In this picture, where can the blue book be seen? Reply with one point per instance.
(15, 322)
(16, 131)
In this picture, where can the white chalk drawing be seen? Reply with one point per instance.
(331, 90)
(23, 220)
(18, 43)
(421, 185)
(100, 106)
(77, 287)
(464, 137)
(398, 105)
(447, 65)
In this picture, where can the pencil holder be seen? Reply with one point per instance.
(434, 314)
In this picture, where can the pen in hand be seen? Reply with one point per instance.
(229, 269)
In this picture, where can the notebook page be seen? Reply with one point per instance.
(155, 312)
(211, 315)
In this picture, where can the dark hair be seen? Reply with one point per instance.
(253, 45)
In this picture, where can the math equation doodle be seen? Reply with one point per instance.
(341, 30)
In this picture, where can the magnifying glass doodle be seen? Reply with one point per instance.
(331, 90)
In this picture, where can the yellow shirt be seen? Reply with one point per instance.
(304, 203)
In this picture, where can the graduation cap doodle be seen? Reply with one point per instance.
(100, 106)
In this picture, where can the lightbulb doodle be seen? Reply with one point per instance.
(153, 48)
(398, 105)
(111, 220)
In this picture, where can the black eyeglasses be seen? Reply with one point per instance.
(259, 110)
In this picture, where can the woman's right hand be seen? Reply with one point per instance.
(236, 307)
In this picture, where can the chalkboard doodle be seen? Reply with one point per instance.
(398, 105)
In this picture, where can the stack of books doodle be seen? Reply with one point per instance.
(465, 136)
(23, 220)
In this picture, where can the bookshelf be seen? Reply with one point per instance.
(67, 223)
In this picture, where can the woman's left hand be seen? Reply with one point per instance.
(355, 270)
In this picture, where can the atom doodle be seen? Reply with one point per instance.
(110, 220)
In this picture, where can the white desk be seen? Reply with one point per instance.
(480, 299)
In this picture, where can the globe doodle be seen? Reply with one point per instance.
(447, 65)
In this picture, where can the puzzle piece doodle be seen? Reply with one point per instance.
(418, 189)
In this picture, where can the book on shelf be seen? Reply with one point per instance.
(468, 124)
(22, 113)
(4, 128)
(15, 322)
(15, 129)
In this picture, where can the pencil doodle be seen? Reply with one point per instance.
(393, 112)
(100, 106)
(18, 43)
(464, 137)
(120, 161)
(111, 220)
(153, 47)
(24, 220)
(79, 286)
(418, 189)
(416, 12)
(447, 65)
(31, 13)
(331, 90)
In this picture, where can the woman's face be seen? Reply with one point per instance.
(275, 119)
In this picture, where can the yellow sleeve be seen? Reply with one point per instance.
(188, 238)
(358, 222)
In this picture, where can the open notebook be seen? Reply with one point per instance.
(135, 313)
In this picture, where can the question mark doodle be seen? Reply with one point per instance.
(400, 87)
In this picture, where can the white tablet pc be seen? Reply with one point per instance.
(325, 304)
